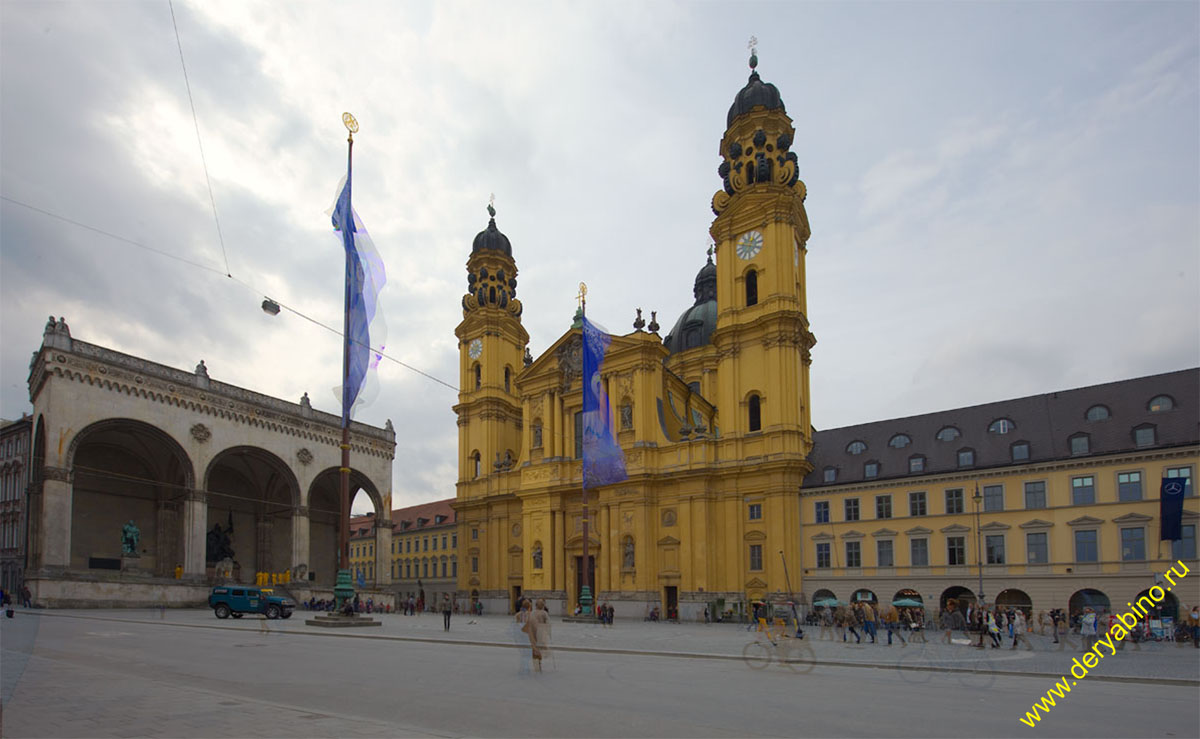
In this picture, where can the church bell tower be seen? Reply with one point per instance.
(492, 351)
(761, 231)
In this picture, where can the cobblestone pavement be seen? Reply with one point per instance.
(184, 673)
(1152, 661)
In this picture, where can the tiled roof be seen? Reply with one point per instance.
(426, 512)
(1047, 422)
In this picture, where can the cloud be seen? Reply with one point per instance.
(982, 221)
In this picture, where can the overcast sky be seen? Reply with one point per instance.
(1004, 197)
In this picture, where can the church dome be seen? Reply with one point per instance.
(755, 93)
(694, 328)
(491, 238)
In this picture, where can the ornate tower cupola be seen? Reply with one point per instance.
(492, 345)
(491, 272)
(761, 231)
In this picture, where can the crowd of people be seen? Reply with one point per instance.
(994, 625)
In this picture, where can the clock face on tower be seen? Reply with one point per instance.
(749, 245)
(475, 349)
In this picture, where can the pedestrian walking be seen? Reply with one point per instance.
(826, 618)
(849, 621)
(1019, 626)
(26, 597)
(538, 628)
(520, 637)
(993, 629)
(868, 616)
(917, 625)
(447, 609)
(1194, 625)
(891, 621)
(1087, 628)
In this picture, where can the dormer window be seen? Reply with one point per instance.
(1098, 413)
(966, 457)
(916, 463)
(948, 433)
(856, 447)
(422, 521)
(1080, 444)
(899, 441)
(1001, 426)
(1145, 435)
(1161, 403)
(438, 518)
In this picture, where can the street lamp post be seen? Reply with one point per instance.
(979, 558)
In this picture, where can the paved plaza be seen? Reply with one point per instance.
(183, 673)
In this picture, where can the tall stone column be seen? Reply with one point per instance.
(300, 542)
(195, 531)
(166, 548)
(262, 544)
(383, 556)
(55, 528)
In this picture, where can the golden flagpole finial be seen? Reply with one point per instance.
(351, 125)
(582, 296)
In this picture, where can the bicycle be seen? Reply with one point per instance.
(915, 667)
(798, 657)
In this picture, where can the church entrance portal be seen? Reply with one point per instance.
(579, 576)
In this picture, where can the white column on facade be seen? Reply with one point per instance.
(300, 531)
(195, 529)
(383, 556)
(55, 526)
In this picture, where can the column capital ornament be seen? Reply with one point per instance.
(59, 474)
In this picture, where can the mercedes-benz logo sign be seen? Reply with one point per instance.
(1173, 488)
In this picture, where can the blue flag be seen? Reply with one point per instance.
(1170, 508)
(365, 277)
(361, 580)
(603, 460)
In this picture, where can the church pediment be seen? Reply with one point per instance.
(668, 541)
(852, 534)
(755, 536)
(515, 549)
(755, 583)
(823, 536)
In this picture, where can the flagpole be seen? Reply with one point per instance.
(344, 470)
(343, 589)
(585, 591)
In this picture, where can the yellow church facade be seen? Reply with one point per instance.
(733, 497)
(713, 420)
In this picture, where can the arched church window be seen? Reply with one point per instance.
(751, 288)
(755, 409)
(476, 459)
(478, 377)
(507, 380)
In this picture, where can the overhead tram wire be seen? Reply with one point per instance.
(216, 271)
(101, 473)
(199, 143)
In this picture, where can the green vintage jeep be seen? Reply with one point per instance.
(236, 600)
